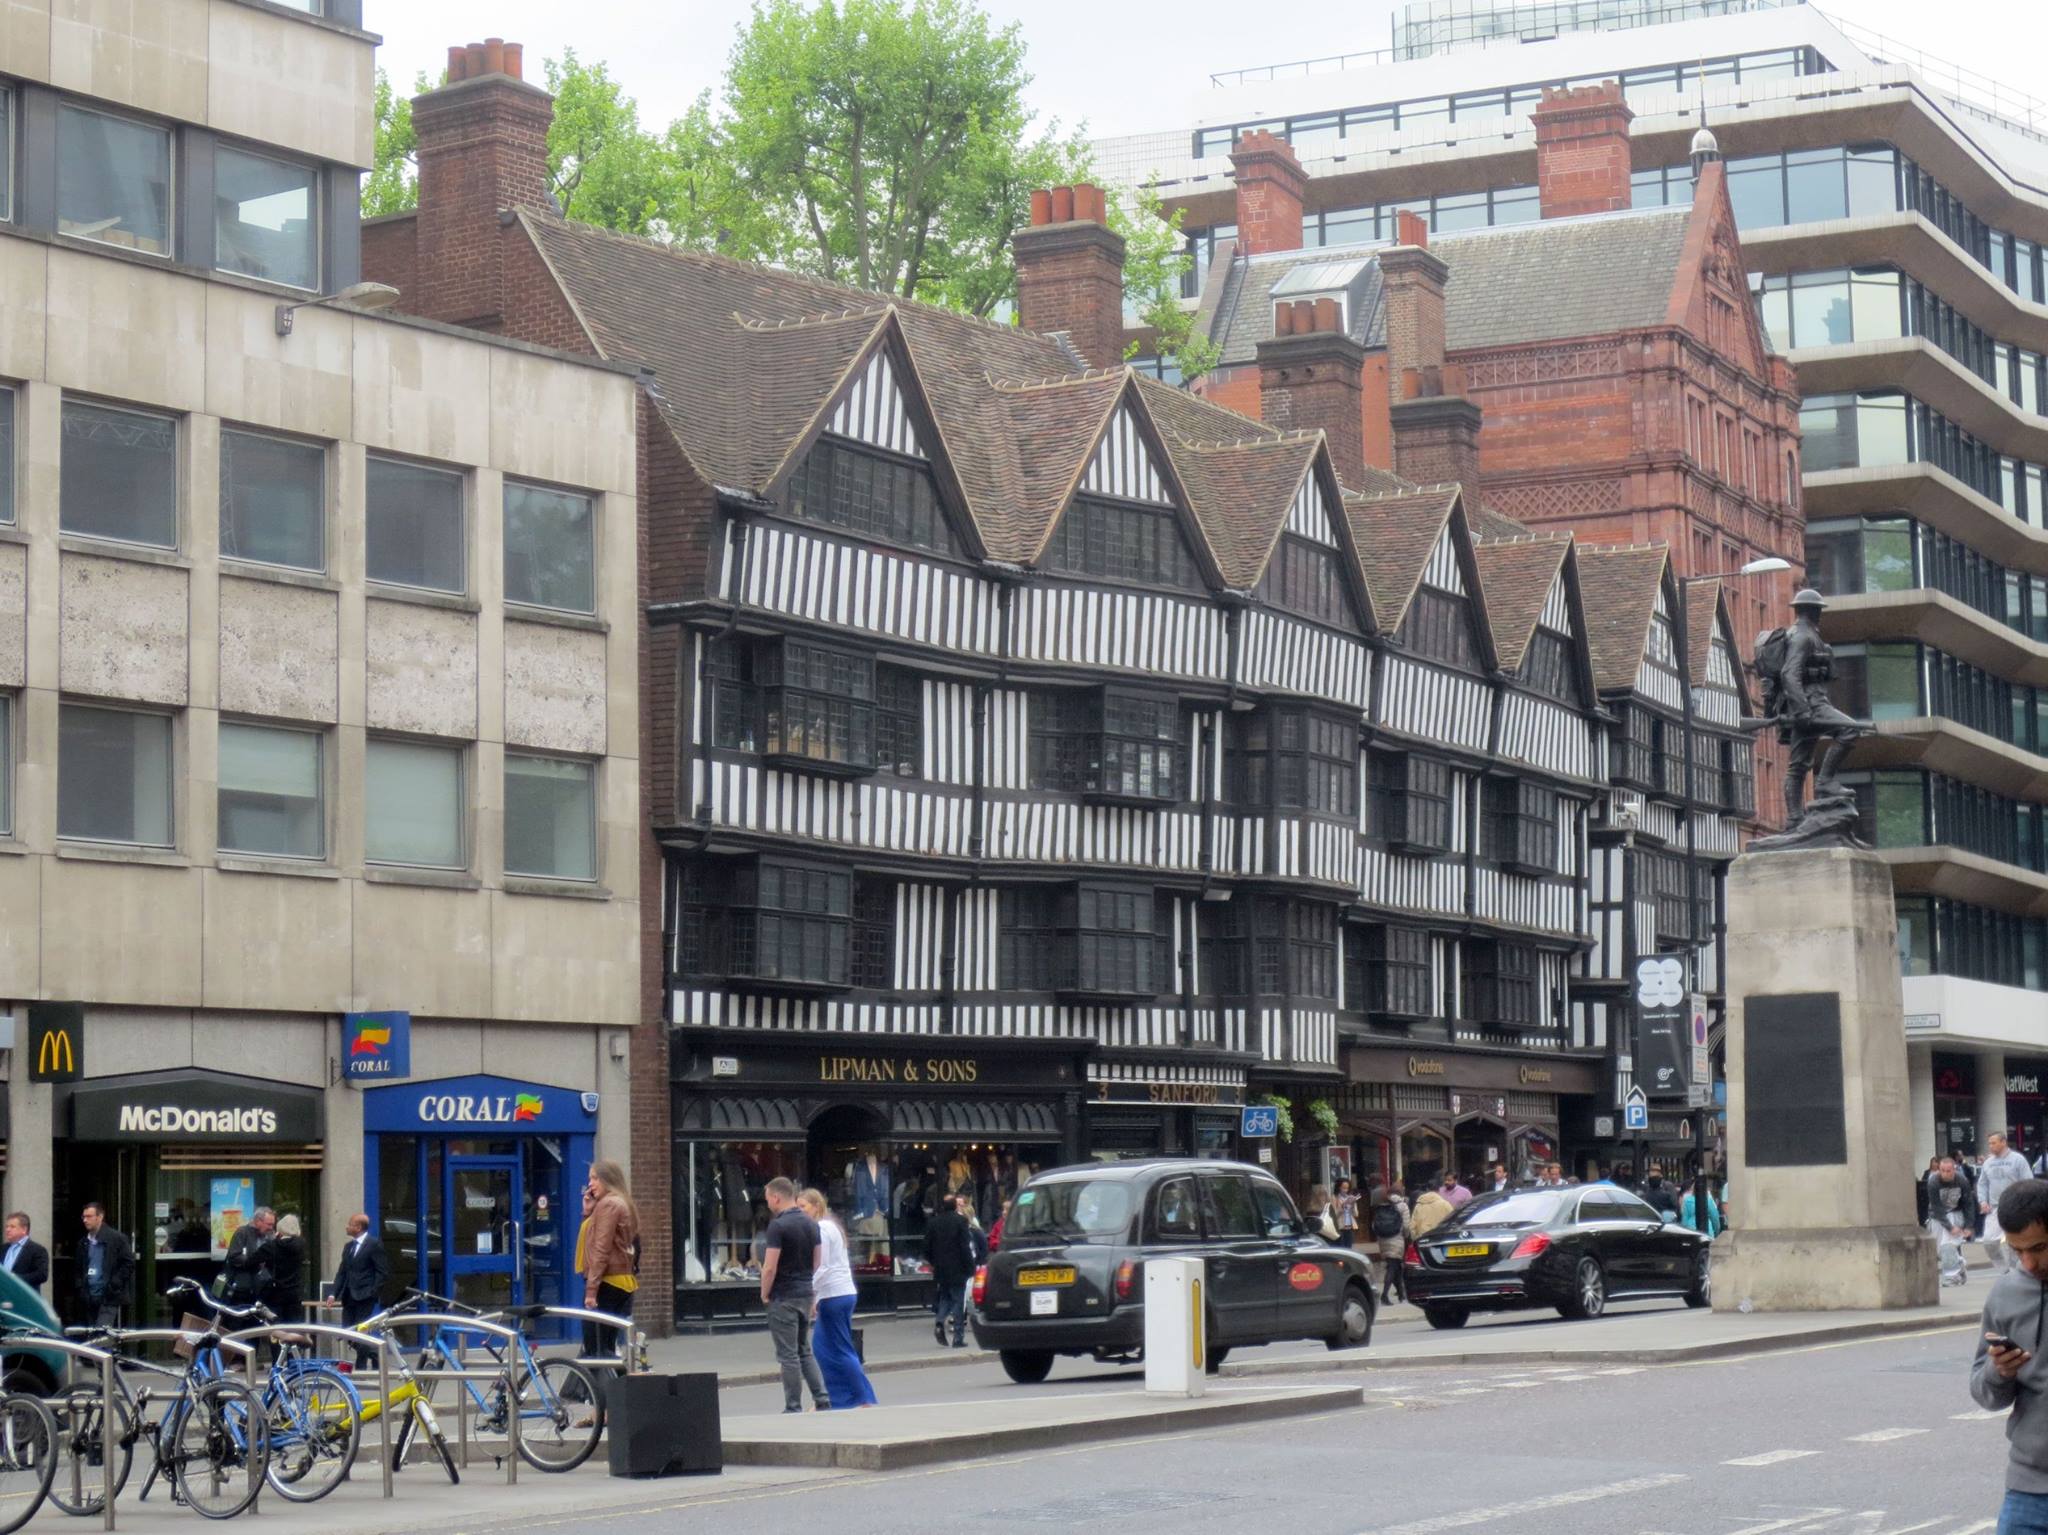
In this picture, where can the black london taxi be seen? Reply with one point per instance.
(1070, 1276)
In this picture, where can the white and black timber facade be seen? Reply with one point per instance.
(1056, 762)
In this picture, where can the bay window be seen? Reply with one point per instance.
(1119, 744)
(774, 920)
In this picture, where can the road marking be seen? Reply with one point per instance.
(1469, 1517)
(1884, 1435)
(1979, 1415)
(1769, 1457)
(1807, 1519)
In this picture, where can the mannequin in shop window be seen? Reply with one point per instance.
(959, 1175)
(739, 1208)
(870, 1176)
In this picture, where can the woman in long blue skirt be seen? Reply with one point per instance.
(833, 1298)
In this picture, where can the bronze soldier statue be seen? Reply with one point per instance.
(1796, 664)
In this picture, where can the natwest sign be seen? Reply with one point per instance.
(455, 1104)
(190, 1105)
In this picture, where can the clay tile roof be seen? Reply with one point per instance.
(1395, 531)
(1240, 493)
(1561, 277)
(1618, 587)
(1050, 428)
(1487, 523)
(1516, 576)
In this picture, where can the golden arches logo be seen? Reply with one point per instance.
(55, 1053)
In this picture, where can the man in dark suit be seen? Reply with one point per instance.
(950, 1251)
(105, 1266)
(360, 1278)
(23, 1257)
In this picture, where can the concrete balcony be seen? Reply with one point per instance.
(1961, 876)
(1943, 746)
(1932, 496)
(1935, 618)
(1931, 376)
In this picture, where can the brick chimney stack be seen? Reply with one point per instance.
(1270, 182)
(1435, 427)
(483, 148)
(1582, 155)
(1070, 272)
(1312, 378)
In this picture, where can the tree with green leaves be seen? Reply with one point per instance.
(393, 183)
(1155, 259)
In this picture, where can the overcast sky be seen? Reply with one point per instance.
(1120, 66)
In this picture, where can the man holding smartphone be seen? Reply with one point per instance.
(2008, 1372)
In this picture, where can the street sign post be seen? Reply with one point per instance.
(1257, 1121)
(1635, 1110)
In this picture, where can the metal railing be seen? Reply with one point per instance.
(502, 1371)
(109, 1366)
(1968, 88)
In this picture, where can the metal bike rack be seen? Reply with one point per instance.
(434, 1319)
(190, 1336)
(109, 1364)
(360, 1340)
(623, 1363)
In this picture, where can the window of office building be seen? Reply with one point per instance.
(113, 775)
(6, 765)
(413, 805)
(7, 402)
(270, 792)
(413, 525)
(273, 500)
(550, 817)
(550, 549)
(264, 219)
(113, 180)
(120, 475)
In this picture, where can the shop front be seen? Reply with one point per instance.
(1413, 1114)
(2025, 1104)
(886, 1127)
(1164, 1106)
(180, 1159)
(1955, 1104)
(476, 1184)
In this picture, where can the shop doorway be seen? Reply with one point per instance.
(486, 1232)
(1425, 1153)
(1477, 1145)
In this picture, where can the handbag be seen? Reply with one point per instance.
(1329, 1227)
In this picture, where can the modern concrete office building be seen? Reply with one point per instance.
(1893, 211)
(318, 681)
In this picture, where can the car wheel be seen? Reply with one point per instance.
(1589, 1291)
(1354, 1320)
(1702, 1291)
(1445, 1318)
(1027, 1366)
(1214, 1361)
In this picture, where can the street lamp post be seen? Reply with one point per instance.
(1702, 1116)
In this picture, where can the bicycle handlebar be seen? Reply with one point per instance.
(194, 1290)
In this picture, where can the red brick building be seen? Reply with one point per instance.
(1600, 370)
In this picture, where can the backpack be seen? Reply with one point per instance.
(1386, 1222)
(1769, 662)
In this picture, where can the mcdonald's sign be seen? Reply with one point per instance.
(56, 1041)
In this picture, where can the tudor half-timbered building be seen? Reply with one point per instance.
(1043, 762)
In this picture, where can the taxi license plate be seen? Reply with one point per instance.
(1026, 1278)
(1468, 1250)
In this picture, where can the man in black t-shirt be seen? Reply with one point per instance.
(790, 1251)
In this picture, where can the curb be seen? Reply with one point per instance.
(896, 1455)
(1732, 1348)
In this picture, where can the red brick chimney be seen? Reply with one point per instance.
(1270, 182)
(483, 148)
(1070, 272)
(1312, 378)
(1435, 428)
(1582, 157)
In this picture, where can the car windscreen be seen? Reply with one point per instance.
(1531, 1207)
(1071, 1210)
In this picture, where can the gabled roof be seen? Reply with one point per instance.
(1619, 586)
(747, 362)
(1395, 532)
(1703, 613)
(1516, 576)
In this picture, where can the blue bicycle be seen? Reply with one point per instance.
(561, 1409)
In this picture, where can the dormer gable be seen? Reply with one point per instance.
(1126, 519)
(1657, 677)
(1442, 622)
(1310, 570)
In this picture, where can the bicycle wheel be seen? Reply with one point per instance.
(28, 1458)
(423, 1414)
(217, 1445)
(561, 1413)
(79, 1486)
(315, 1423)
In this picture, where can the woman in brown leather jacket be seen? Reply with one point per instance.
(608, 1255)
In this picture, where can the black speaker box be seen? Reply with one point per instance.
(663, 1425)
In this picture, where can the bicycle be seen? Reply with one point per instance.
(561, 1407)
(212, 1442)
(28, 1458)
(418, 1404)
(314, 1410)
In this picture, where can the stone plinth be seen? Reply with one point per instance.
(1819, 1133)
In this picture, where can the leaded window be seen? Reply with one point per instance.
(1548, 667)
(1521, 825)
(874, 934)
(899, 722)
(1085, 939)
(871, 493)
(1296, 759)
(1398, 972)
(767, 919)
(1411, 801)
(1500, 984)
(1303, 577)
(1439, 628)
(1123, 541)
(810, 705)
(1112, 743)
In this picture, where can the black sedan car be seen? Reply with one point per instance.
(1572, 1248)
(1070, 1277)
